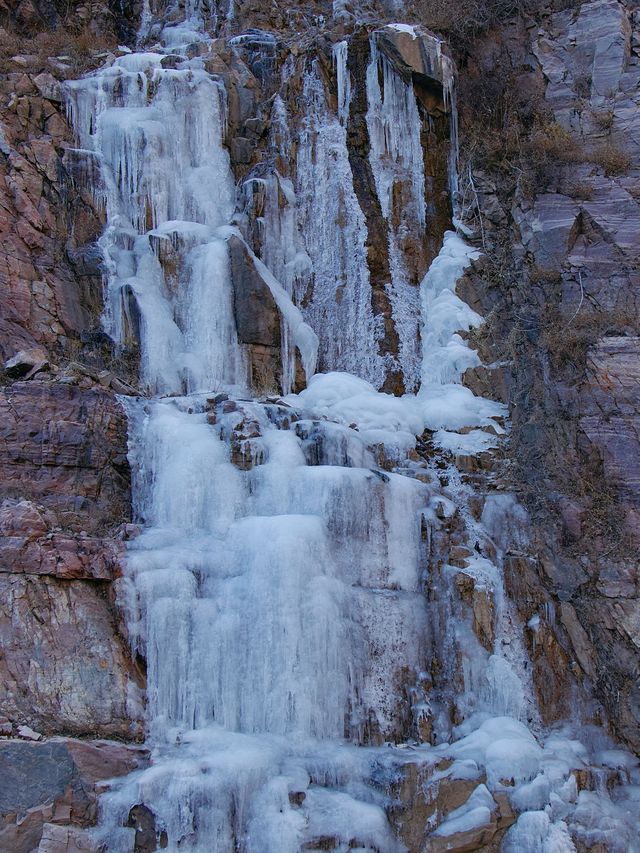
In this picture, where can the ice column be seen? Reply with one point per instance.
(157, 134)
(335, 235)
(396, 159)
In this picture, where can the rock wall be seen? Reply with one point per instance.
(65, 668)
(552, 189)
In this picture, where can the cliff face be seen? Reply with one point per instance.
(549, 172)
(558, 198)
(65, 494)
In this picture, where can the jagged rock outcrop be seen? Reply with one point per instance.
(49, 270)
(65, 489)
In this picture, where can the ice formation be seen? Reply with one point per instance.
(278, 587)
(335, 234)
(396, 158)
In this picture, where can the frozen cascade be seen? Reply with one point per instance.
(397, 159)
(156, 132)
(257, 598)
(343, 79)
(277, 589)
(278, 608)
(335, 235)
(169, 198)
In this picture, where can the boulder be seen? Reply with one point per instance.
(417, 55)
(470, 826)
(26, 363)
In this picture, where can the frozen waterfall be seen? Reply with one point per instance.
(308, 642)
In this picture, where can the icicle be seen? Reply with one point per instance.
(394, 133)
(396, 158)
(158, 134)
(343, 80)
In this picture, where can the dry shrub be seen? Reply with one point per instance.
(10, 45)
(582, 85)
(463, 20)
(77, 49)
(603, 119)
(613, 158)
(545, 275)
(550, 141)
(472, 13)
(548, 148)
(567, 341)
(581, 190)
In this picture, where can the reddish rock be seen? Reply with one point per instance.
(46, 300)
(50, 790)
(27, 547)
(65, 449)
(63, 666)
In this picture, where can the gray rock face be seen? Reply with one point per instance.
(573, 389)
(609, 407)
(56, 782)
(255, 310)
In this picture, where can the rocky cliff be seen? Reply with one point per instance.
(556, 194)
(548, 192)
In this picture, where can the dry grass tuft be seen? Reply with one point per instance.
(612, 158)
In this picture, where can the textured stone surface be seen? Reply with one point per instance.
(64, 479)
(47, 296)
(63, 666)
(609, 407)
(256, 314)
(65, 448)
(28, 546)
(566, 324)
(56, 782)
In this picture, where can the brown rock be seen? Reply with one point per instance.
(422, 800)
(27, 547)
(256, 313)
(579, 638)
(63, 667)
(462, 842)
(50, 791)
(26, 363)
(65, 449)
(416, 56)
(66, 839)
